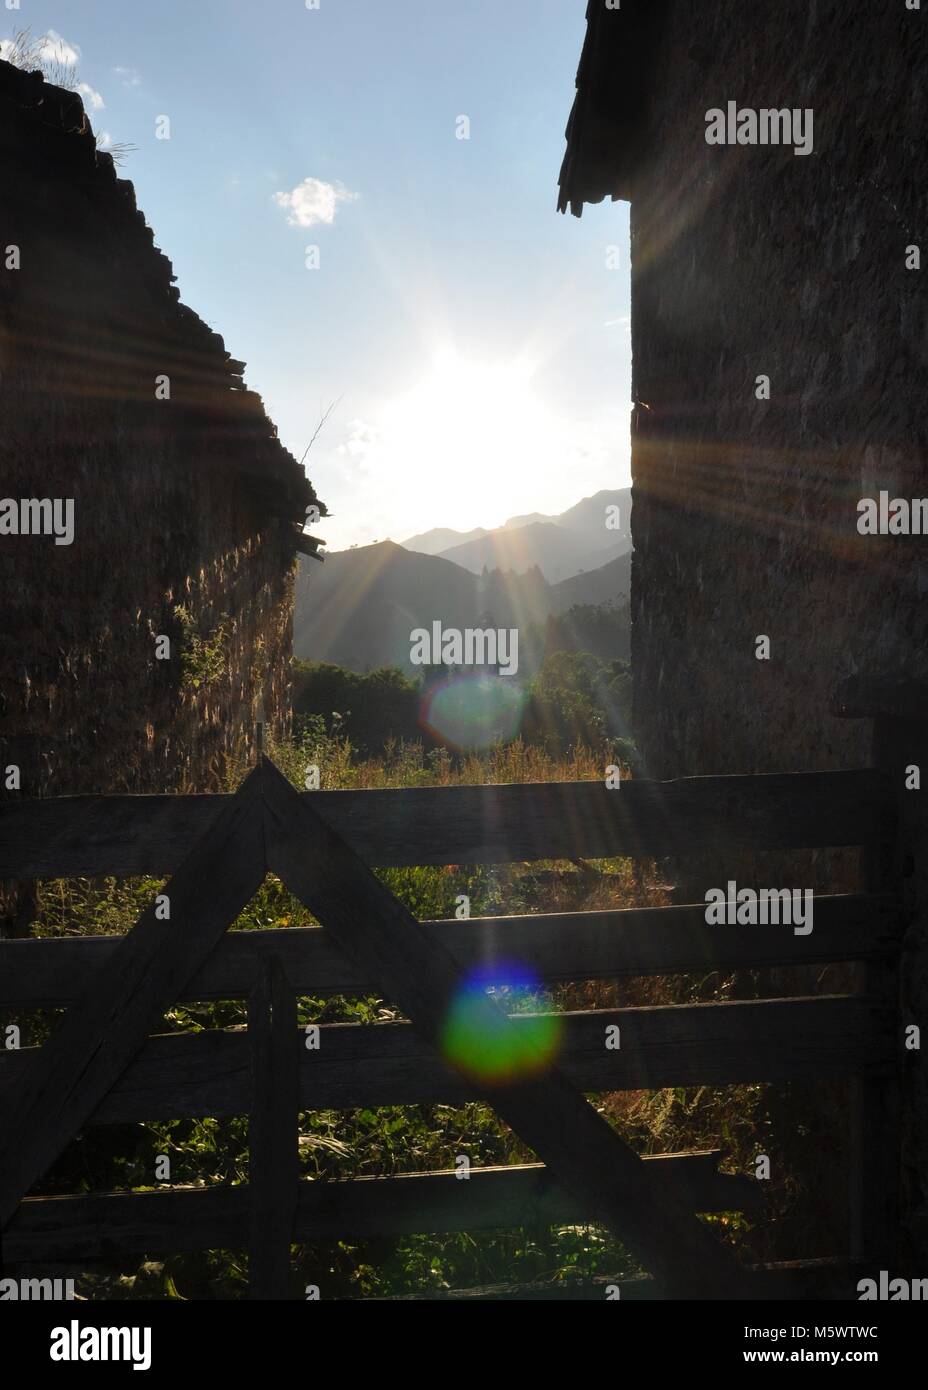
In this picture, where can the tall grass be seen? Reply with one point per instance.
(47, 54)
(40, 53)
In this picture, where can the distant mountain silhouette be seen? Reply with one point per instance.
(561, 546)
(557, 552)
(587, 516)
(442, 538)
(528, 520)
(610, 583)
(358, 608)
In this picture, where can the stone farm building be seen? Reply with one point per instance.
(188, 512)
(780, 346)
(753, 261)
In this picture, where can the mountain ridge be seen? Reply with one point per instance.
(561, 545)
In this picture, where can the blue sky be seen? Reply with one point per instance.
(475, 340)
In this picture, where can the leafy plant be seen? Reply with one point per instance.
(204, 659)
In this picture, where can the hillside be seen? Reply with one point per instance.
(586, 516)
(607, 584)
(358, 608)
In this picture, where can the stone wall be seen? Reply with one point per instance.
(187, 509)
(748, 261)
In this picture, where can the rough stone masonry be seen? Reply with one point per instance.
(180, 509)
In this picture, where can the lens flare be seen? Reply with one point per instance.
(473, 712)
(479, 1041)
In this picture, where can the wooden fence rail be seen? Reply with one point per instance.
(186, 1075)
(90, 836)
(183, 1220)
(556, 946)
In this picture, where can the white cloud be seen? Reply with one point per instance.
(92, 98)
(55, 49)
(104, 140)
(361, 437)
(129, 77)
(313, 202)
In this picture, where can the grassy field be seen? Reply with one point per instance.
(798, 1128)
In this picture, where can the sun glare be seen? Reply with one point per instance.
(471, 443)
(470, 432)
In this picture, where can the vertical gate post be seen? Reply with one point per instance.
(909, 745)
(890, 1118)
(273, 1138)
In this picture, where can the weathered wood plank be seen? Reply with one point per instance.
(557, 946)
(671, 1045)
(545, 1109)
(95, 1227)
(185, 1075)
(91, 836)
(64, 1082)
(273, 1131)
(829, 1279)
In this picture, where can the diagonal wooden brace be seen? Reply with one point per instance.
(416, 971)
(127, 999)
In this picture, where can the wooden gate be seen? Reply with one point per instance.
(102, 1065)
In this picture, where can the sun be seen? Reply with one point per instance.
(473, 442)
(474, 435)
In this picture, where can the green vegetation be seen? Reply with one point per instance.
(602, 629)
(574, 673)
(577, 697)
(371, 709)
(203, 660)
